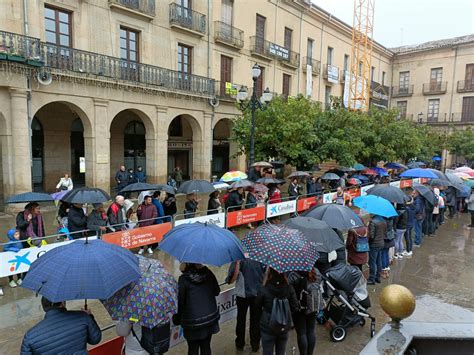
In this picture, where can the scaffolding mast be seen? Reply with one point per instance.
(361, 56)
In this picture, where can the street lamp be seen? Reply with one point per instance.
(420, 117)
(254, 104)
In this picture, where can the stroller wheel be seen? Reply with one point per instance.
(362, 322)
(338, 334)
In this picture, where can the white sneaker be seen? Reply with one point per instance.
(12, 284)
(19, 282)
(1, 291)
(140, 252)
(405, 253)
(410, 253)
(149, 251)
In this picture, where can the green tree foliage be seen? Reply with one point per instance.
(299, 133)
(461, 142)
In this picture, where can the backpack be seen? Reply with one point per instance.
(155, 340)
(280, 317)
(311, 299)
(362, 244)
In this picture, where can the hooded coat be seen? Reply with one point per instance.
(13, 245)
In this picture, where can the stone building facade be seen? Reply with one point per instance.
(88, 85)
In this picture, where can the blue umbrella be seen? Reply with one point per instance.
(361, 177)
(202, 244)
(419, 173)
(380, 171)
(358, 167)
(375, 205)
(437, 159)
(416, 164)
(30, 197)
(82, 270)
(395, 166)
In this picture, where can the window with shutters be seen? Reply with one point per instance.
(286, 85)
(309, 49)
(469, 77)
(260, 34)
(433, 110)
(402, 109)
(346, 62)
(467, 114)
(383, 77)
(226, 74)
(288, 38)
(260, 82)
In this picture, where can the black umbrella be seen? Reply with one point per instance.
(139, 186)
(241, 183)
(30, 197)
(266, 181)
(440, 182)
(86, 195)
(455, 181)
(330, 176)
(336, 216)
(391, 193)
(318, 232)
(166, 188)
(196, 186)
(439, 174)
(298, 174)
(426, 192)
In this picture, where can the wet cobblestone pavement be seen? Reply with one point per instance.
(439, 273)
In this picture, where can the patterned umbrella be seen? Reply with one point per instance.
(354, 181)
(282, 248)
(260, 188)
(149, 301)
(232, 176)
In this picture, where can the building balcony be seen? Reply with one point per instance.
(462, 117)
(144, 8)
(402, 91)
(20, 49)
(465, 85)
(186, 19)
(227, 91)
(228, 35)
(435, 88)
(268, 50)
(315, 65)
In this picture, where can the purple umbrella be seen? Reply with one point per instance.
(57, 196)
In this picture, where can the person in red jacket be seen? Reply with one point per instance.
(146, 214)
(354, 257)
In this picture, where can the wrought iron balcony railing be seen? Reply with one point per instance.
(228, 34)
(315, 65)
(227, 91)
(261, 47)
(466, 85)
(435, 88)
(18, 48)
(184, 17)
(402, 91)
(146, 7)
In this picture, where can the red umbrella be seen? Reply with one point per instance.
(369, 172)
(354, 181)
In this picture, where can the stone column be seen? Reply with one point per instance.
(97, 148)
(161, 144)
(21, 147)
(206, 147)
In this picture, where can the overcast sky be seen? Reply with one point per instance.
(402, 22)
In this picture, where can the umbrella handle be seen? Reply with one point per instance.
(85, 304)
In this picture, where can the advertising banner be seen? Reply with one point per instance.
(12, 263)
(227, 305)
(357, 104)
(217, 219)
(329, 197)
(363, 189)
(306, 203)
(406, 183)
(395, 183)
(378, 95)
(333, 74)
(353, 192)
(246, 216)
(417, 180)
(137, 237)
(278, 209)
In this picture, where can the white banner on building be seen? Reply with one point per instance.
(309, 80)
(417, 181)
(12, 263)
(278, 209)
(363, 189)
(333, 74)
(217, 219)
(358, 104)
(395, 183)
(329, 197)
(227, 305)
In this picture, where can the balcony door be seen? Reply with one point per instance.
(185, 12)
(227, 14)
(129, 54)
(58, 35)
(435, 79)
(260, 33)
(469, 77)
(404, 82)
(468, 109)
(185, 55)
(226, 74)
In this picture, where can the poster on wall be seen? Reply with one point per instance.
(333, 74)
(82, 165)
(378, 95)
(309, 80)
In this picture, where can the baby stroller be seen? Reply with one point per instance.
(348, 300)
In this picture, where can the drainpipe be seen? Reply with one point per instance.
(28, 86)
(208, 38)
(299, 50)
(274, 40)
(321, 60)
(450, 117)
(391, 84)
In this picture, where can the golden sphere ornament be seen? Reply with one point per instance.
(397, 301)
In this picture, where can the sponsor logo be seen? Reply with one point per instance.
(19, 259)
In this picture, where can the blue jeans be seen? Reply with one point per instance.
(399, 241)
(375, 263)
(385, 258)
(418, 231)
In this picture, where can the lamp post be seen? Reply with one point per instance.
(254, 104)
(420, 117)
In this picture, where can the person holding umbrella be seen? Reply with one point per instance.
(97, 220)
(197, 314)
(29, 223)
(274, 194)
(377, 234)
(294, 189)
(146, 214)
(76, 330)
(419, 207)
(214, 205)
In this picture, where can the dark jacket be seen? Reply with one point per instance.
(115, 215)
(121, 178)
(264, 301)
(62, 332)
(140, 176)
(251, 201)
(234, 201)
(253, 175)
(159, 210)
(146, 215)
(354, 257)
(212, 206)
(190, 208)
(197, 306)
(450, 196)
(76, 221)
(402, 218)
(411, 215)
(250, 276)
(95, 220)
(169, 206)
(377, 232)
(22, 226)
(419, 205)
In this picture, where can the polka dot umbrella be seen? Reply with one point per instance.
(282, 248)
